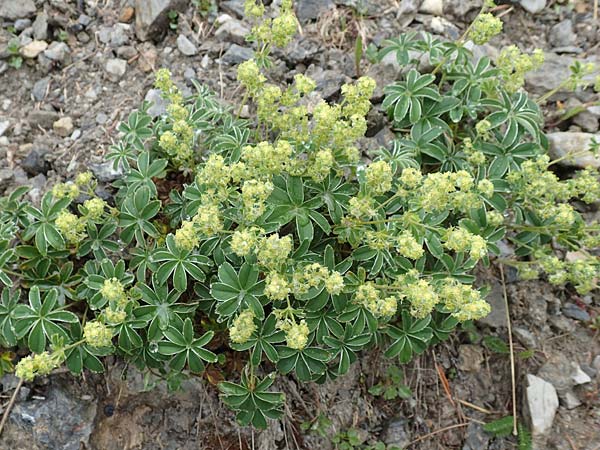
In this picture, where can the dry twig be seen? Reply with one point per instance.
(512, 354)
(10, 405)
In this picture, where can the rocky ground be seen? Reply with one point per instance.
(70, 71)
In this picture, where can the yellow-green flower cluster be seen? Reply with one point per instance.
(165, 84)
(321, 164)
(422, 298)
(37, 365)
(485, 188)
(94, 207)
(186, 237)
(583, 272)
(277, 286)
(296, 334)
(242, 328)
(249, 76)
(464, 302)
(114, 291)
(314, 275)
(215, 176)
(514, 64)
(254, 198)
(484, 27)
(407, 245)
(362, 206)
(84, 179)
(411, 177)
(356, 97)
(461, 240)
(254, 8)
(378, 177)
(273, 251)
(447, 191)
(65, 190)
(114, 316)
(70, 226)
(265, 159)
(244, 241)
(96, 334)
(369, 296)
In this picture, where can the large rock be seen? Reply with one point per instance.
(16, 9)
(554, 71)
(541, 403)
(565, 142)
(60, 420)
(307, 10)
(151, 16)
(533, 6)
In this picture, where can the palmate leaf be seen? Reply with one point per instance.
(262, 341)
(177, 264)
(8, 303)
(40, 319)
(236, 291)
(409, 338)
(405, 98)
(185, 349)
(308, 363)
(252, 400)
(344, 347)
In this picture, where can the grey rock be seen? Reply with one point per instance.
(159, 104)
(101, 118)
(470, 358)
(541, 403)
(562, 34)
(57, 51)
(328, 82)
(39, 89)
(83, 37)
(105, 172)
(233, 7)
(38, 187)
(578, 375)
(552, 73)
(22, 24)
(231, 30)
(596, 363)
(364, 7)
(558, 371)
(189, 74)
(307, 10)
(116, 35)
(575, 312)
(63, 126)
(35, 162)
(42, 118)
(460, 8)
(33, 49)
(562, 324)
(16, 9)
(397, 432)
(126, 52)
(571, 401)
(588, 121)
(589, 370)
(151, 18)
(6, 178)
(525, 337)
(186, 46)
(434, 7)
(497, 317)
(533, 6)
(115, 68)
(84, 20)
(60, 420)
(4, 124)
(3, 67)
(301, 50)
(565, 142)
(476, 438)
(40, 26)
(236, 54)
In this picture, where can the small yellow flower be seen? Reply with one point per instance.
(96, 334)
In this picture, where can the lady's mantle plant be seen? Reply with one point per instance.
(275, 237)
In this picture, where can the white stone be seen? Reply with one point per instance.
(33, 49)
(116, 68)
(542, 402)
(434, 7)
(579, 376)
(533, 6)
(565, 142)
(185, 46)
